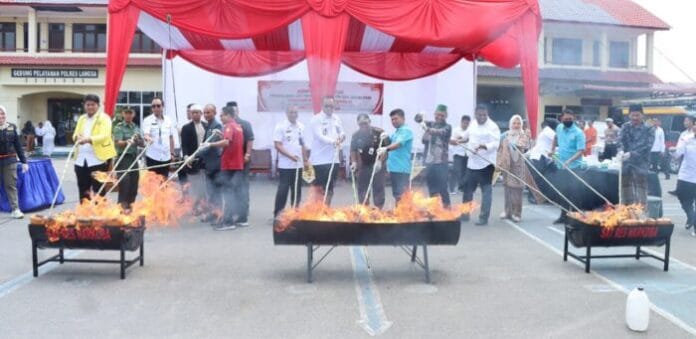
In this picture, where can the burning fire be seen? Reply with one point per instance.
(620, 215)
(159, 205)
(413, 207)
(103, 177)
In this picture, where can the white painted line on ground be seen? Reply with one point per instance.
(663, 313)
(555, 230)
(372, 317)
(18, 282)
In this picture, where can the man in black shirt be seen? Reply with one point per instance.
(363, 152)
(436, 139)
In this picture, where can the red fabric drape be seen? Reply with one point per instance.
(399, 66)
(243, 63)
(238, 19)
(528, 30)
(325, 39)
(122, 26)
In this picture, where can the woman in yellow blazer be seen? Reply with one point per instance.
(94, 144)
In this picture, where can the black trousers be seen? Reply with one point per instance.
(378, 183)
(399, 183)
(128, 188)
(213, 187)
(163, 170)
(480, 178)
(659, 163)
(686, 192)
(460, 170)
(286, 185)
(436, 178)
(86, 184)
(610, 151)
(321, 177)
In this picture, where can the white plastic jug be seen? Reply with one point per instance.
(638, 310)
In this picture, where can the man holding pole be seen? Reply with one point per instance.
(292, 157)
(127, 132)
(484, 139)
(568, 147)
(324, 153)
(248, 146)
(363, 161)
(399, 159)
(636, 140)
(436, 138)
(210, 157)
(159, 130)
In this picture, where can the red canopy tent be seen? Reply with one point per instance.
(386, 39)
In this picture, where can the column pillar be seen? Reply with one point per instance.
(604, 58)
(31, 23)
(649, 52)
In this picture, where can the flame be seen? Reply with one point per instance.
(613, 216)
(159, 204)
(103, 177)
(413, 207)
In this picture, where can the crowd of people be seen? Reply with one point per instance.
(217, 153)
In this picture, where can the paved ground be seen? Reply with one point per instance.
(504, 280)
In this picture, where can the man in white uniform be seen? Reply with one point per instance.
(159, 130)
(289, 142)
(328, 135)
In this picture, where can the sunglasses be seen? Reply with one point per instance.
(156, 105)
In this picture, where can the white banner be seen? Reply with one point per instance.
(351, 97)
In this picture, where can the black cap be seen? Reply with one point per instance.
(635, 108)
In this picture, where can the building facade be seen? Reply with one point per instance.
(52, 54)
(593, 54)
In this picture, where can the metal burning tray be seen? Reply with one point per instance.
(116, 238)
(581, 234)
(409, 236)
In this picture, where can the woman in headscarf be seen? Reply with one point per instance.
(514, 143)
(49, 136)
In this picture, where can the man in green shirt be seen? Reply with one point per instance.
(124, 133)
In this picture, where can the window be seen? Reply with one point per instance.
(89, 37)
(143, 44)
(596, 53)
(7, 36)
(567, 52)
(56, 37)
(552, 112)
(619, 54)
(138, 101)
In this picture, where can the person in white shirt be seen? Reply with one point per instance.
(159, 131)
(484, 139)
(288, 138)
(658, 161)
(686, 179)
(49, 135)
(459, 134)
(328, 135)
(544, 142)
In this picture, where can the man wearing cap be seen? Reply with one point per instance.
(636, 140)
(248, 146)
(159, 130)
(127, 132)
(611, 140)
(192, 135)
(436, 139)
(328, 137)
(363, 153)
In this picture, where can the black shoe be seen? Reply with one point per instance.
(481, 223)
(674, 193)
(560, 220)
(209, 218)
(688, 226)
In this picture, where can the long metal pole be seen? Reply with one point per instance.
(546, 179)
(372, 176)
(129, 168)
(192, 156)
(520, 179)
(583, 181)
(118, 162)
(62, 177)
(331, 169)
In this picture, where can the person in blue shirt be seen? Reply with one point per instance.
(399, 159)
(569, 143)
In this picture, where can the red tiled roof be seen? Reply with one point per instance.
(630, 13)
(25, 60)
(574, 75)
